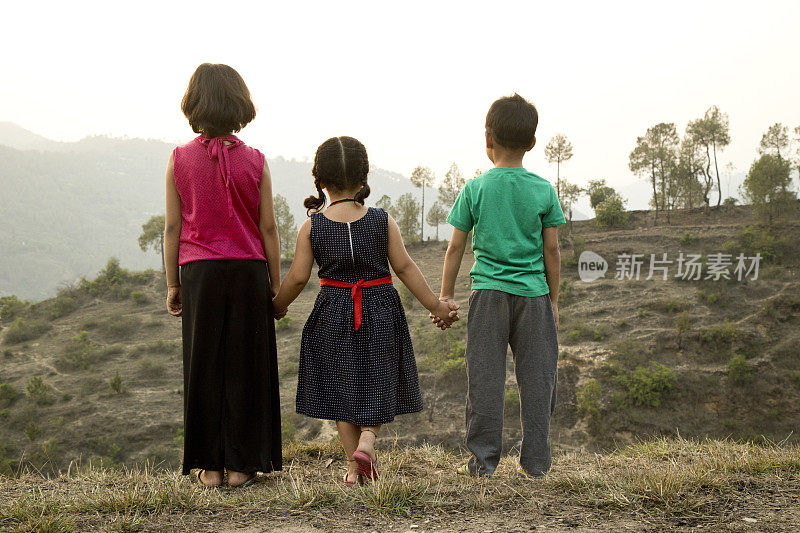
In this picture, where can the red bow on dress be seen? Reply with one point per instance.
(355, 292)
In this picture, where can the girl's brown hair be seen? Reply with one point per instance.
(217, 101)
(340, 163)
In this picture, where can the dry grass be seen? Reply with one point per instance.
(660, 481)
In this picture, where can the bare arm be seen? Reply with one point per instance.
(552, 265)
(452, 263)
(172, 236)
(409, 273)
(269, 231)
(299, 272)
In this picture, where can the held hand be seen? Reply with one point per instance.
(445, 314)
(174, 305)
(555, 312)
(278, 312)
(274, 290)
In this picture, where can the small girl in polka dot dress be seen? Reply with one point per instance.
(357, 364)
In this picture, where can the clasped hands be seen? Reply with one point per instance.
(446, 314)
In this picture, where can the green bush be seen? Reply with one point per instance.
(113, 281)
(722, 334)
(512, 400)
(21, 331)
(7, 461)
(611, 212)
(687, 238)
(139, 297)
(682, 326)
(177, 441)
(588, 397)
(116, 384)
(63, 304)
(11, 306)
(286, 323)
(8, 394)
(39, 391)
(740, 372)
(79, 354)
(581, 331)
(755, 240)
(32, 431)
(646, 386)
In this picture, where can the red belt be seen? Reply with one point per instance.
(355, 291)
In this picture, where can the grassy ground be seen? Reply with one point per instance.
(653, 485)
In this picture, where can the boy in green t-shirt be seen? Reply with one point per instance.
(514, 215)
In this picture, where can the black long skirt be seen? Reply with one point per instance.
(232, 416)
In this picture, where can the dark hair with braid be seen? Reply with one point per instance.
(340, 163)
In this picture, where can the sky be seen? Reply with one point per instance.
(412, 80)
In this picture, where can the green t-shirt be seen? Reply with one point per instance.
(507, 208)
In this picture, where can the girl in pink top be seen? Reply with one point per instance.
(223, 268)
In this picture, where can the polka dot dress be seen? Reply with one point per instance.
(368, 376)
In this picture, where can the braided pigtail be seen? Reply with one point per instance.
(315, 203)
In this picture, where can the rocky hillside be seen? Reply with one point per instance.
(95, 372)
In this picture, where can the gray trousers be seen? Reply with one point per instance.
(497, 319)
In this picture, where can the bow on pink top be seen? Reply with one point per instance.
(218, 149)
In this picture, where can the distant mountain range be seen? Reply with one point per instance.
(66, 207)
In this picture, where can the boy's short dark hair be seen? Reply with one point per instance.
(217, 101)
(512, 121)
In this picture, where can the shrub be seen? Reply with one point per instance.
(139, 297)
(740, 372)
(647, 384)
(611, 212)
(755, 240)
(63, 304)
(112, 281)
(512, 400)
(583, 332)
(730, 200)
(32, 431)
(285, 324)
(722, 334)
(80, 353)
(177, 441)
(7, 353)
(6, 461)
(641, 312)
(668, 306)
(120, 326)
(150, 368)
(21, 331)
(588, 397)
(11, 306)
(116, 384)
(796, 377)
(8, 394)
(39, 391)
(687, 238)
(682, 325)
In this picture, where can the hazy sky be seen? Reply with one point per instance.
(412, 80)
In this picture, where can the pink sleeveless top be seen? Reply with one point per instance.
(219, 188)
